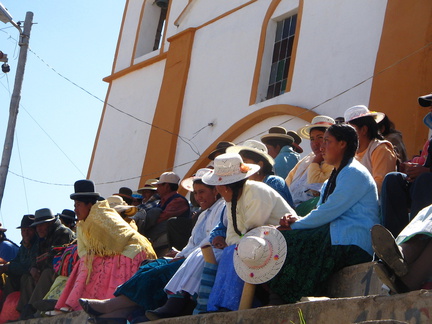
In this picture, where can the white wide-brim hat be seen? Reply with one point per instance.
(188, 182)
(229, 168)
(252, 146)
(117, 203)
(317, 121)
(260, 255)
(362, 111)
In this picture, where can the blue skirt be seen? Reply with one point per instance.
(146, 287)
(228, 286)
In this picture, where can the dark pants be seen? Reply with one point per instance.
(402, 200)
(31, 291)
(179, 230)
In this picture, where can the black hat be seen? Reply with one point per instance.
(126, 194)
(67, 214)
(42, 216)
(27, 221)
(425, 101)
(84, 189)
(220, 148)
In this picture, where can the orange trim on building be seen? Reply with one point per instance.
(226, 14)
(176, 22)
(245, 124)
(162, 143)
(294, 49)
(135, 67)
(403, 69)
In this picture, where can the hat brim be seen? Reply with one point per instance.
(42, 221)
(286, 138)
(239, 148)
(188, 183)
(378, 116)
(146, 188)
(304, 132)
(274, 264)
(78, 195)
(217, 180)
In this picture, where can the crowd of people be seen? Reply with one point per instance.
(259, 215)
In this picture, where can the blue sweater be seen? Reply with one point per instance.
(285, 161)
(352, 209)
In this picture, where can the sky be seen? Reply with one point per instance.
(72, 47)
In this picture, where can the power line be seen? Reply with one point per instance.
(185, 140)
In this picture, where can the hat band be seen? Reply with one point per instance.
(42, 218)
(322, 123)
(224, 171)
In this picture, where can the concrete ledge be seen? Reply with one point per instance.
(356, 280)
(413, 307)
(370, 306)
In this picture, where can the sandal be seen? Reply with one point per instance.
(388, 251)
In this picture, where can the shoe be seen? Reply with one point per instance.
(172, 308)
(87, 308)
(389, 278)
(388, 251)
(44, 305)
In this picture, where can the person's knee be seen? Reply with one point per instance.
(393, 179)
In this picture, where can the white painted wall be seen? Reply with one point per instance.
(200, 12)
(336, 51)
(123, 140)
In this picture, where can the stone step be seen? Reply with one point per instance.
(370, 306)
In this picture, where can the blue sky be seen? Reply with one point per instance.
(57, 121)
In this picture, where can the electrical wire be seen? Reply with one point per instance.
(188, 141)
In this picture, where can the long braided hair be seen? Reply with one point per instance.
(235, 187)
(348, 134)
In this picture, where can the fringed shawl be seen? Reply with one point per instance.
(105, 233)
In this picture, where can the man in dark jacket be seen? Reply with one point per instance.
(51, 233)
(20, 266)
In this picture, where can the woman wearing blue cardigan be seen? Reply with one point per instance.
(337, 233)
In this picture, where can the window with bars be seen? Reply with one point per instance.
(284, 40)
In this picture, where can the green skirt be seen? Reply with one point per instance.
(311, 260)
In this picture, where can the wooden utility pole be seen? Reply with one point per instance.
(15, 101)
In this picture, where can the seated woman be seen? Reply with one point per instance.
(405, 262)
(387, 129)
(256, 152)
(310, 170)
(145, 290)
(110, 250)
(249, 204)
(337, 233)
(375, 153)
